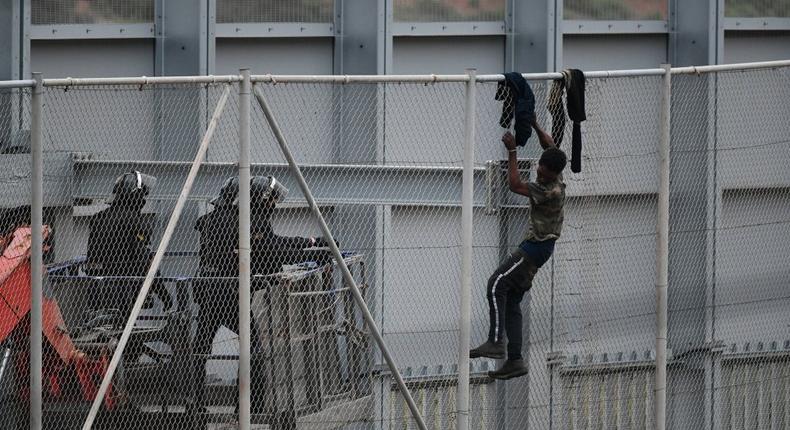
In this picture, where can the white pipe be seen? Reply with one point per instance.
(372, 79)
(245, 368)
(730, 67)
(349, 279)
(662, 254)
(358, 79)
(142, 80)
(160, 253)
(28, 83)
(37, 253)
(467, 199)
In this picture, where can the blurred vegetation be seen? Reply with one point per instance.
(757, 8)
(616, 9)
(91, 11)
(131, 11)
(448, 10)
(275, 10)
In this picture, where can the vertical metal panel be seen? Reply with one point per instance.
(186, 37)
(93, 58)
(697, 32)
(746, 46)
(534, 35)
(275, 56)
(593, 52)
(415, 55)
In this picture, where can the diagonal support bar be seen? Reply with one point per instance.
(267, 112)
(160, 253)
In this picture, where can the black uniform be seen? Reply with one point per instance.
(219, 299)
(119, 245)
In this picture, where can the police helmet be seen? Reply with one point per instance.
(132, 186)
(262, 189)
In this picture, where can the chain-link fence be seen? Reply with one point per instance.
(15, 250)
(729, 325)
(383, 158)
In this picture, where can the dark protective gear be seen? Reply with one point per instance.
(219, 231)
(219, 242)
(262, 189)
(320, 242)
(132, 187)
(120, 238)
(219, 306)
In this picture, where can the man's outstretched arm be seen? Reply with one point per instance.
(546, 141)
(513, 179)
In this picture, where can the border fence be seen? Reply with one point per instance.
(164, 294)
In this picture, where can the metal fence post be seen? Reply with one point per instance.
(662, 254)
(157, 260)
(244, 251)
(371, 323)
(464, 319)
(37, 252)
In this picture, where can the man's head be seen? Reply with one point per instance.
(551, 164)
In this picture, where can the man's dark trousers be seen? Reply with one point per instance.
(219, 306)
(506, 288)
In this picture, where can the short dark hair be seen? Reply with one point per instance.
(554, 159)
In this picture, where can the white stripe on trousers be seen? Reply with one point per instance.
(493, 297)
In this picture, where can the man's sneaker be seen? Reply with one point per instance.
(489, 349)
(511, 369)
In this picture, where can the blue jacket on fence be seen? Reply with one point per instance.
(519, 102)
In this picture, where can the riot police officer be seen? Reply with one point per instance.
(219, 238)
(119, 241)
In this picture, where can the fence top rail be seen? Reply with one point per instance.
(142, 80)
(433, 78)
(729, 67)
(373, 79)
(27, 83)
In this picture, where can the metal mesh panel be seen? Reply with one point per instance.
(588, 318)
(229, 11)
(449, 10)
(615, 9)
(384, 162)
(387, 177)
(108, 222)
(745, 9)
(728, 301)
(92, 12)
(15, 244)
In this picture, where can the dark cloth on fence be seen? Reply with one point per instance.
(519, 103)
(575, 86)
